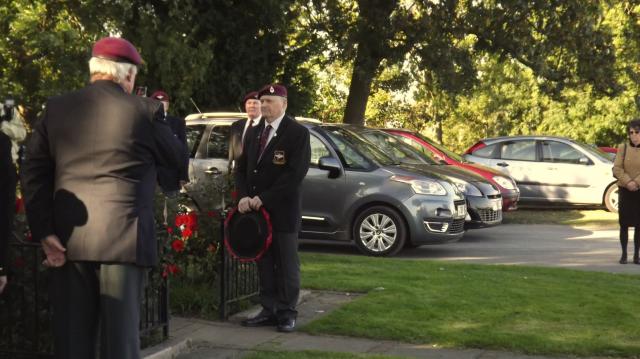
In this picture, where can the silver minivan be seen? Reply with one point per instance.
(551, 169)
(352, 192)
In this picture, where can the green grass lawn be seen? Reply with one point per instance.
(522, 309)
(313, 355)
(590, 218)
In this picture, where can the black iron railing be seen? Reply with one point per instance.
(238, 281)
(25, 318)
(24, 306)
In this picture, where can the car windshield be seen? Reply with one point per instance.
(356, 151)
(595, 151)
(441, 148)
(398, 150)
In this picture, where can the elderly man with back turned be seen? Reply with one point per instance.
(270, 171)
(89, 180)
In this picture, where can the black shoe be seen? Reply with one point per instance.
(636, 260)
(287, 325)
(260, 320)
(623, 260)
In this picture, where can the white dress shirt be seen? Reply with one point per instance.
(253, 123)
(274, 128)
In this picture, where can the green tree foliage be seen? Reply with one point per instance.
(217, 51)
(463, 69)
(213, 52)
(561, 42)
(45, 50)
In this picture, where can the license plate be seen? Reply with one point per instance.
(461, 210)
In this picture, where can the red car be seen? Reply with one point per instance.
(610, 152)
(506, 185)
(609, 149)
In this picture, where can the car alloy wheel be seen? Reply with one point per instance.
(611, 198)
(379, 231)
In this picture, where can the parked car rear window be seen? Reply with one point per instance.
(194, 134)
(553, 151)
(519, 150)
(218, 144)
(486, 152)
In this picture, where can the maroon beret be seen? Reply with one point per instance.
(273, 90)
(116, 49)
(253, 95)
(160, 96)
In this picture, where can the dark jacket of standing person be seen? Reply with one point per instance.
(92, 162)
(8, 180)
(276, 177)
(178, 127)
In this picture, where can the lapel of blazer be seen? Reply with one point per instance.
(252, 144)
(277, 137)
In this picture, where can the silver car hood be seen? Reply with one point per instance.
(455, 172)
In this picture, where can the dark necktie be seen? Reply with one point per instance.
(263, 139)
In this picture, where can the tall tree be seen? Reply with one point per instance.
(561, 41)
(216, 51)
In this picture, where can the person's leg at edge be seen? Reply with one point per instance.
(624, 240)
(288, 276)
(266, 272)
(121, 287)
(636, 244)
(73, 292)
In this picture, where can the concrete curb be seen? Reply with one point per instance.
(167, 350)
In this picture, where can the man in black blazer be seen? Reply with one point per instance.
(270, 171)
(178, 127)
(89, 180)
(241, 129)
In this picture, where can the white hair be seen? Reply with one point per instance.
(117, 70)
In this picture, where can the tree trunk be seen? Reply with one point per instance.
(364, 70)
(439, 130)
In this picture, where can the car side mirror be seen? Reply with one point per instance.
(330, 164)
(584, 161)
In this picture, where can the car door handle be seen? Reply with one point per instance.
(552, 168)
(502, 164)
(212, 171)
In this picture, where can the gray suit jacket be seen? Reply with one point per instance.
(90, 173)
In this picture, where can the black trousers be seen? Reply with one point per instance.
(91, 300)
(279, 272)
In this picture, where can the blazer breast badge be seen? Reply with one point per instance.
(278, 158)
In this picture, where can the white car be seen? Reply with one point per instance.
(551, 169)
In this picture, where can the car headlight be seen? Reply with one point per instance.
(465, 187)
(422, 186)
(504, 182)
